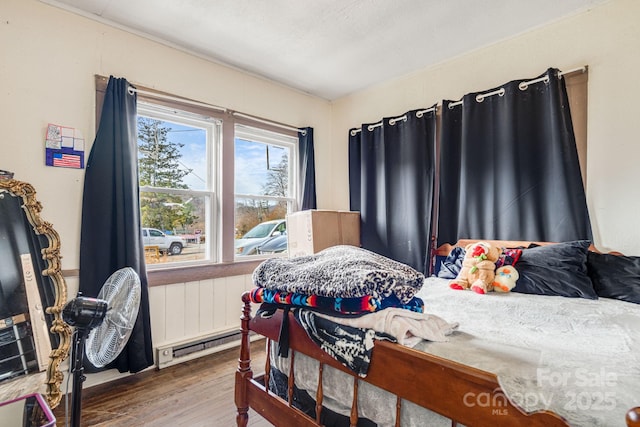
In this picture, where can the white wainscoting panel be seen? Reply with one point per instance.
(185, 311)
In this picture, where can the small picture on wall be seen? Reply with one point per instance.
(64, 147)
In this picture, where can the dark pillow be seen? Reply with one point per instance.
(559, 269)
(451, 265)
(615, 276)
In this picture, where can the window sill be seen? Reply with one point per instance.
(169, 276)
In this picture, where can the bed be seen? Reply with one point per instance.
(436, 383)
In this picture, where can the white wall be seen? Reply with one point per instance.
(48, 59)
(606, 38)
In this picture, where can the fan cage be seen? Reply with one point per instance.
(122, 292)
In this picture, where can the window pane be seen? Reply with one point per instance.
(171, 155)
(261, 168)
(175, 158)
(263, 162)
(259, 223)
(176, 227)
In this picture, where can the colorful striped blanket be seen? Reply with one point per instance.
(356, 305)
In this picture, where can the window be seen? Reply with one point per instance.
(264, 190)
(190, 210)
(176, 168)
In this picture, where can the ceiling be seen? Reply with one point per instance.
(328, 48)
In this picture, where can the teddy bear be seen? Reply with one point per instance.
(478, 268)
(506, 277)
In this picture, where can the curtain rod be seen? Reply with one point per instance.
(269, 122)
(158, 95)
(394, 120)
(523, 85)
(479, 98)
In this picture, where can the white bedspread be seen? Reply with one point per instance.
(579, 358)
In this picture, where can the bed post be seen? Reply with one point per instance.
(244, 373)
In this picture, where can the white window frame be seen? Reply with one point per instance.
(213, 127)
(261, 135)
(220, 193)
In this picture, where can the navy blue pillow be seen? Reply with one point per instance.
(452, 264)
(615, 276)
(559, 269)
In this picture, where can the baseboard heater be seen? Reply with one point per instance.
(181, 352)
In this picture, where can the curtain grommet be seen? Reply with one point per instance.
(393, 121)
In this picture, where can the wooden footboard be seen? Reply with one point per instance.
(443, 386)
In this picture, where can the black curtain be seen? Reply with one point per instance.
(307, 169)
(110, 234)
(509, 166)
(391, 183)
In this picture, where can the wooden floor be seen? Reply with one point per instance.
(195, 393)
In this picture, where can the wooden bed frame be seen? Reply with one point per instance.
(395, 368)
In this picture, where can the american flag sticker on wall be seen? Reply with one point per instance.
(66, 160)
(64, 147)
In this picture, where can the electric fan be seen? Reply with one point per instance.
(105, 323)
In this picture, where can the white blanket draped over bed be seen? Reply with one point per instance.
(579, 358)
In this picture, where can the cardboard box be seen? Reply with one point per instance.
(311, 231)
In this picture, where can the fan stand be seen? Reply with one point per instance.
(118, 302)
(78, 374)
(85, 314)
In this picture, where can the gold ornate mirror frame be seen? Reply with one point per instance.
(51, 257)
